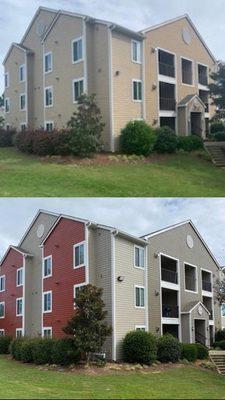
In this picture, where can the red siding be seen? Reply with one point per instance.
(11, 322)
(60, 246)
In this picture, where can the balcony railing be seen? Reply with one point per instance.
(170, 311)
(207, 286)
(203, 79)
(166, 69)
(187, 77)
(167, 104)
(190, 284)
(169, 276)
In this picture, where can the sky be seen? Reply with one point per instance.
(15, 16)
(133, 215)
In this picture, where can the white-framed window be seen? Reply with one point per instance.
(47, 302)
(77, 50)
(139, 296)
(22, 73)
(48, 62)
(139, 257)
(19, 307)
(77, 288)
(49, 126)
(136, 51)
(137, 90)
(187, 74)
(47, 267)
(47, 332)
(19, 277)
(19, 332)
(223, 310)
(140, 328)
(49, 96)
(7, 105)
(23, 102)
(6, 80)
(2, 332)
(79, 255)
(2, 283)
(2, 309)
(78, 89)
(23, 126)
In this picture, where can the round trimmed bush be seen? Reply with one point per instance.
(220, 335)
(189, 143)
(42, 351)
(166, 140)
(217, 127)
(139, 347)
(220, 344)
(169, 349)
(4, 344)
(6, 138)
(26, 350)
(189, 352)
(137, 138)
(202, 352)
(219, 136)
(64, 352)
(15, 348)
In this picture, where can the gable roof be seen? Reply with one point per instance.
(184, 102)
(18, 46)
(168, 228)
(18, 249)
(171, 21)
(192, 305)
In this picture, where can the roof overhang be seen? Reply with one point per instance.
(195, 96)
(23, 253)
(196, 305)
(18, 46)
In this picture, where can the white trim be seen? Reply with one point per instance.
(87, 273)
(138, 287)
(138, 51)
(17, 300)
(85, 258)
(133, 99)
(78, 285)
(196, 278)
(42, 291)
(17, 273)
(113, 285)
(139, 248)
(74, 41)
(111, 94)
(211, 322)
(52, 90)
(167, 114)
(25, 97)
(167, 79)
(3, 302)
(170, 321)
(197, 80)
(24, 292)
(49, 122)
(2, 331)
(205, 292)
(192, 69)
(43, 267)
(198, 302)
(19, 330)
(22, 66)
(43, 82)
(143, 81)
(1, 277)
(49, 53)
(141, 327)
(170, 285)
(45, 328)
(73, 91)
(146, 290)
(45, 293)
(85, 57)
(23, 124)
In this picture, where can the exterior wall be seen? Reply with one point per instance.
(59, 245)
(12, 262)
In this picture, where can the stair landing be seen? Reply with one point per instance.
(218, 359)
(217, 152)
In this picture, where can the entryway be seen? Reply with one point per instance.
(200, 331)
(196, 123)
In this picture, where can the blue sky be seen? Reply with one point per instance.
(137, 216)
(15, 15)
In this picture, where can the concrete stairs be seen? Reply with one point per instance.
(218, 359)
(217, 152)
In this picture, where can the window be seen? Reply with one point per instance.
(49, 126)
(139, 257)
(19, 277)
(190, 278)
(2, 309)
(2, 283)
(202, 75)
(2, 332)
(76, 289)
(47, 266)
(187, 71)
(19, 332)
(77, 50)
(78, 89)
(19, 307)
(48, 63)
(139, 296)
(22, 102)
(47, 333)
(140, 328)
(166, 63)
(47, 297)
(78, 255)
(23, 127)
(22, 73)
(7, 105)
(223, 310)
(6, 80)
(137, 90)
(48, 96)
(136, 51)
(207, 281)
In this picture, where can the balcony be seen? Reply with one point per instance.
(166, 69)
(170, 311)
(207, 286)
(167, 104)
(203, 79)
(167, 100)
(169, 276)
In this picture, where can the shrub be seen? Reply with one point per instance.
(166, 140)
(169, 348)
(218, 137)
(4, 344)
(64, 352)
(189, 143)
(26, 350)
(220, 344)
(189, 352)
(24, 140)
(139, 347)
(42, 351)
(217, 127)
(15, 348)
(220, 335)
(202, 352)
(6, 138)
(137, 138)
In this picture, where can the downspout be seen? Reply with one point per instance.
(113, 285)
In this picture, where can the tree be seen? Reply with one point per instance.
(217, 88)
(2, 101)
(219, 290)
(88, 324)
(86, 127)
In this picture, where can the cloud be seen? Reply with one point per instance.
(136, 216)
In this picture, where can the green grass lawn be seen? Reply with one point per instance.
(180, 175)
(18, 381)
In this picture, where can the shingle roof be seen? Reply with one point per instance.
(190, 306)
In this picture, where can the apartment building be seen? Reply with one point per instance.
(223, 306)
(162, 282)
(160, 74)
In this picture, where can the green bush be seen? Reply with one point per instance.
(139, 347)
(189, 352)
(166, 140)
(217, 127)
(5, 344)
(42, 351)
(15, 348)
(169, 349)
(64, 352)
(189, 143)
(6, 138)
(137, 138)
(26, 350)
(218, 137)
(202, 352)
(220, 335)
(220, 344)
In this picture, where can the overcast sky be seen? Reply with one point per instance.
(136, 216)
(208, 16)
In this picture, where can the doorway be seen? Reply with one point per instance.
(196, 123)
(200, 331)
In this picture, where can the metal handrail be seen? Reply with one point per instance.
(170, 311)
(166, 69)
(169, 276)
(207, 286)
(167, 104)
